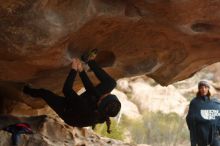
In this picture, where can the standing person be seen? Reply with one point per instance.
(203, 118)
(95, 105)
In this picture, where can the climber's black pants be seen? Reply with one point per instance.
(59, 103)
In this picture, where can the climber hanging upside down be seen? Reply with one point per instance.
(95, 105)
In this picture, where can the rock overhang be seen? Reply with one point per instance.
(166, 40)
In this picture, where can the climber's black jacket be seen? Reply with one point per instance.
(78, 110)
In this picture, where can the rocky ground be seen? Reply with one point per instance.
(50, 131)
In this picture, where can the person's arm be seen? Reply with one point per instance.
(88, 84)
(190, 120)
(68, 85)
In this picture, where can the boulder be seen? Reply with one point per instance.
(50, 131)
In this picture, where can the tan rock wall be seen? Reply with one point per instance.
(166, 40)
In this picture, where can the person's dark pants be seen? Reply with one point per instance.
(59, 103)
(15, 137)
(216, 141)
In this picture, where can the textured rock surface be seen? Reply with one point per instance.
(166, 40)
(53, 132)
(149, 96)
(128, 108)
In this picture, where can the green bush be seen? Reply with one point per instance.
(116, 130)
(136, 128)
(164, 129)
(157, 129)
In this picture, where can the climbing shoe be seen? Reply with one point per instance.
(91, 54)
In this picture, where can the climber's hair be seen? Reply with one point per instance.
(108, 124)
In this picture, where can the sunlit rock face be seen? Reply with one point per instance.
(168, 40)
(150, 96)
